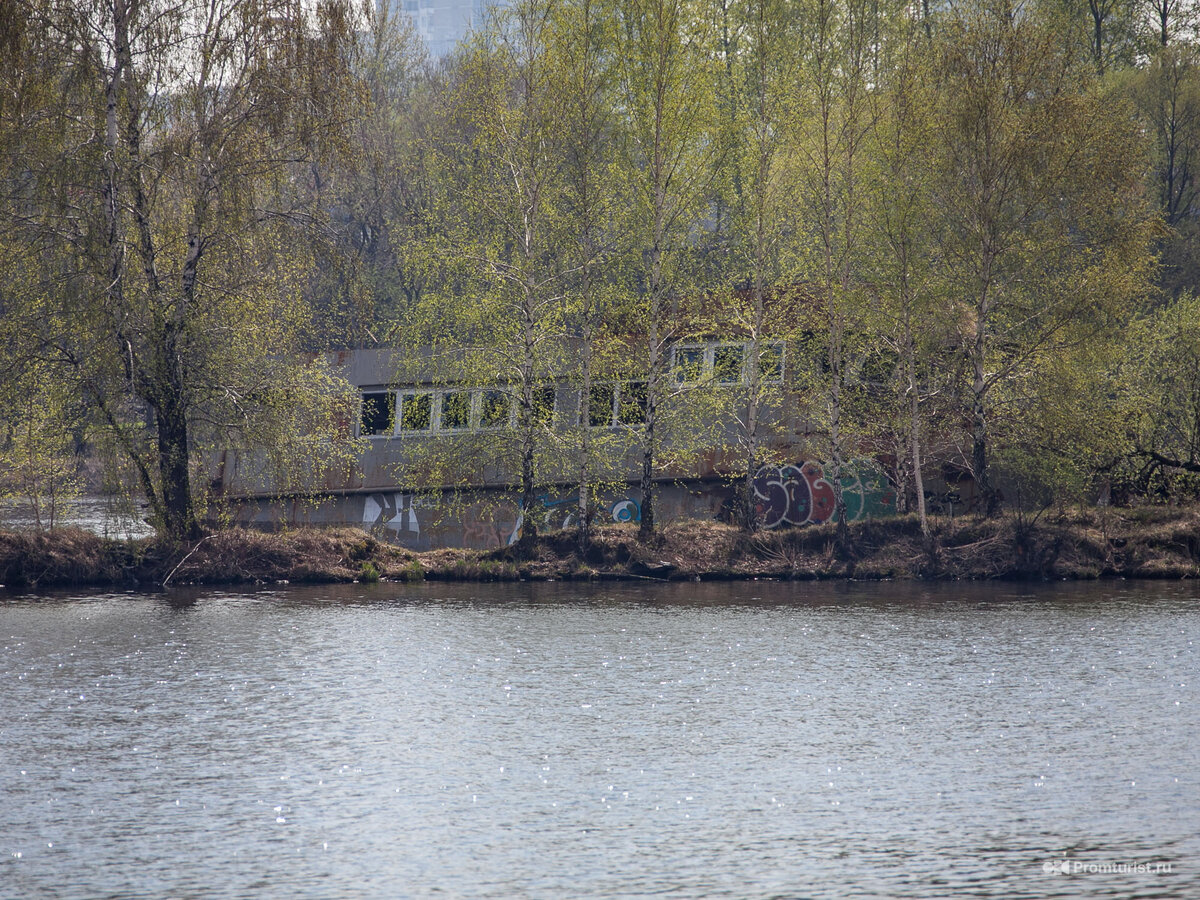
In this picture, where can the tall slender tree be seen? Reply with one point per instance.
(764, 70)
(591, 204)
(842, 36)
(901, 262)
(499, 311)
(1042, 215)
(666, 99)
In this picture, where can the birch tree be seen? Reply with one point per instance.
(764, 68)
(666, 101)
(902, 262)
(1042, 213)
(831, 162)
(593, 198)
(497, 315)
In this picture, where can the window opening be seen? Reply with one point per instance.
(632, 408)
(727, 364)
(543, 405)
(378, 413)
(689, 364)
(600, 405)
(494, 410)
(416, 412)
(770, 362)
(456, 410)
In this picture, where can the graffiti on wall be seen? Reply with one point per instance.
(394, 511)
(482, 524)
(489, 523)
(625, 510)
(554, 513)
(792, 494)
(802, 494)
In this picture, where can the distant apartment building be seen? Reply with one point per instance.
(443, 23)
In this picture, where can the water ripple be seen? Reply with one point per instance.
(754, 740)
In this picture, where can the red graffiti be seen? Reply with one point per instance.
(802, 494)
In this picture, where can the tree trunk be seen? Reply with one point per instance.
(585, 393)
(915, 442)
(646, 529)
(527, 425)
(914, 420)
(987, 499)
(179, 516)
(754, 365)
(751, 511)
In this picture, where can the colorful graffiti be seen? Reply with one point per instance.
(792, 494)
(802, 494)
(626, 510)
(562, 512)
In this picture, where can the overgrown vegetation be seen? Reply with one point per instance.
(973, 228)
(1147, 543)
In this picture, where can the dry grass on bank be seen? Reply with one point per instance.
(1086, 544)
(309, 554)
(74, 557)
(1147, 543)
(67, 556)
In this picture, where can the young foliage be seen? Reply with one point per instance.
(1042, 218)
(163, 173)
(666, 101)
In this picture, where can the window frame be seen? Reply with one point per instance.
(442, 427)
(481, 406)
(402, 396)
(388, 432)
(618, 388)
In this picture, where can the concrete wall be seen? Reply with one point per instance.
(794, 494)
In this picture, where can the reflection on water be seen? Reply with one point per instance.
(106, 516)
(744, 740)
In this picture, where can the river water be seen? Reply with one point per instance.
(107, 516)
(745, 740)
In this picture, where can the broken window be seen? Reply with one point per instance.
(543, 405)
(378, 413)
(727, 363)
(770, 362)
(689, 364)
(632, 409)
(600, 405)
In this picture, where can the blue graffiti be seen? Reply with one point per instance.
(626, 510)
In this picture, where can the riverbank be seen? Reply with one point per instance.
(1148, 542)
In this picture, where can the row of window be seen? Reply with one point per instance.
(609, 404)
(725, 363)
(385, 413)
